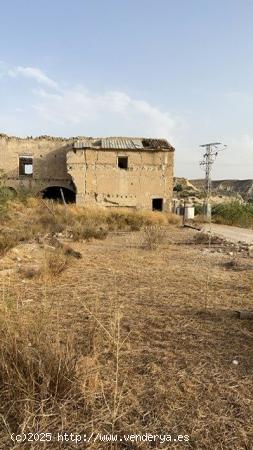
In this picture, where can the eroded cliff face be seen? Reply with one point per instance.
(243, 188)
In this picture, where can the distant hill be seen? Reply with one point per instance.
(231, 188)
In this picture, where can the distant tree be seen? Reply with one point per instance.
(178, 188)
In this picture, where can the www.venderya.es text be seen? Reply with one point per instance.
(98, 437)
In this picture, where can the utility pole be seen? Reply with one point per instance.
(211, 152)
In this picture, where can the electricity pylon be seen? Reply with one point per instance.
(211, 152)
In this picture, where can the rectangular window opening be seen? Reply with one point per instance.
(157, 204)
(123, 162)
(25, 166)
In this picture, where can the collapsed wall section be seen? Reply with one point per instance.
(34, 163)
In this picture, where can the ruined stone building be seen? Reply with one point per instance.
(116, 171)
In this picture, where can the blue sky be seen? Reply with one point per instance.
(180, 69)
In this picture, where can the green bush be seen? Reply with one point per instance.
(178, 188)
(6, 194)
(233, 213)
(199, 209)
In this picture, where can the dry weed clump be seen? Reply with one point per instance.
(29, 271)
(173, 219)
(56, 261)
(87, 231)
(124, 220)
(152, 237)
(201, 238)
(37, 372)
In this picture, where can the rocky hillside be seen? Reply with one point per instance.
(231, 188)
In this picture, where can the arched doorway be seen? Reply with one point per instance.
(59, 194)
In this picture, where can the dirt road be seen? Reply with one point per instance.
(234, 234)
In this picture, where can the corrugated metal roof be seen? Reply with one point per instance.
(83, 143)
(123, 143)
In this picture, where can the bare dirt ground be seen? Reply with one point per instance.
(180, 336)
(234, 234)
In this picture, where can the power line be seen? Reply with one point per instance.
(212, 150)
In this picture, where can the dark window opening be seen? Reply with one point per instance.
(157, 204)
(25, 166)
(59, 194)
(123, 162)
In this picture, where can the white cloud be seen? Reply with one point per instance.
(82, 112)
(53, 108)
(33, 73)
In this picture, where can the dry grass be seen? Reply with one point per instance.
(121, 342)
(7, 241)
(37, 217)
(37, 372)
(88, 231)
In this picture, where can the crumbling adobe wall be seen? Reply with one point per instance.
(49, 161)
(99, 180)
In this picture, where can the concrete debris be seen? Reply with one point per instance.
(219, 245)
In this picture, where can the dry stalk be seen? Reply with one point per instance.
(117, 342)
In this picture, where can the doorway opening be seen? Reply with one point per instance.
(157, 204)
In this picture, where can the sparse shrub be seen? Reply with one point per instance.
(152, 237)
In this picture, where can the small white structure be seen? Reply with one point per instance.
(189, 212)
